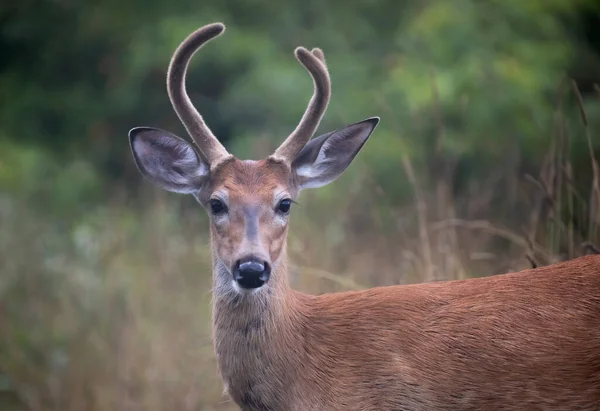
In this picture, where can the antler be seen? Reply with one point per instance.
(208, 144)
(314, 62)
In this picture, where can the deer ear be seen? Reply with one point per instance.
(168, 161)
(326, 157)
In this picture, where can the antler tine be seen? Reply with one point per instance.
(208, 144)
(314, 62)
(318, 53)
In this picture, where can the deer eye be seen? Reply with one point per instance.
(217, 206)
(284, 206)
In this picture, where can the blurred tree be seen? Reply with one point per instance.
(462, 84)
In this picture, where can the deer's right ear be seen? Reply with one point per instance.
(168, 161)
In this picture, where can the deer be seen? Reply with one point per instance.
(527, 340)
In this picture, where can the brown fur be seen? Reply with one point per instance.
(528, 340)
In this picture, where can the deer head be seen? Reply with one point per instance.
(248, 201)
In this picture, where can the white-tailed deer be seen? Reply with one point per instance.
(520, 341)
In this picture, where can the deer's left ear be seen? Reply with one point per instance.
(326, 157)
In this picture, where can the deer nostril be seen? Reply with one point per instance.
(251, 273)
(250, 267)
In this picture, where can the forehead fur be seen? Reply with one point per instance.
(248, 176)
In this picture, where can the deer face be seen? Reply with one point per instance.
(249, 202)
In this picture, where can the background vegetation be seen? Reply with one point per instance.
(483, 163)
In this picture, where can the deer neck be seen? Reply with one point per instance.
(257, 337)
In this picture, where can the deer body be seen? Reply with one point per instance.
(528, 340)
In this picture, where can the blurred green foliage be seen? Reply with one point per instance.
(464, 80)
(100, 271)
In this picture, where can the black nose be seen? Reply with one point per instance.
(251, 273)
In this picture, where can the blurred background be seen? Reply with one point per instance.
(483, 163)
